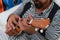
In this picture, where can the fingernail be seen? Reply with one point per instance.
(30, 21)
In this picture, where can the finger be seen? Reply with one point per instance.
(26, 25)
(17, 30)
(25, 22)
(30, 16)
(18, 17)
(12, 25)
(8, 27)
(30, 22)
(21, 25)
(9, 31)
(15, 22)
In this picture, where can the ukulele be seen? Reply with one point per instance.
(1, 6)
(39, 23)
(11, 3)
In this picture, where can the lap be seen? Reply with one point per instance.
(23, 36)
(3, 35)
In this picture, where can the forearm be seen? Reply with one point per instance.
(53, 32)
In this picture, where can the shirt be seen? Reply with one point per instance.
(53, 31)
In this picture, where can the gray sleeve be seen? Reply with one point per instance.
(53, 31)
(19, 9)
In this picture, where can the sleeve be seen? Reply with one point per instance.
(53, 31)
(15, 10)
(4, 15)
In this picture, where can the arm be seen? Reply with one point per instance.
(53, 32)
(12, 19)
(5, 15)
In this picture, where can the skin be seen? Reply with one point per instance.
(23, 23)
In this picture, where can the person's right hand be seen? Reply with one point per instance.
(11, 27)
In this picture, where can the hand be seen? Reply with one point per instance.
(25, 24)
(29, 29)
(11, 27)
(40, 23)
